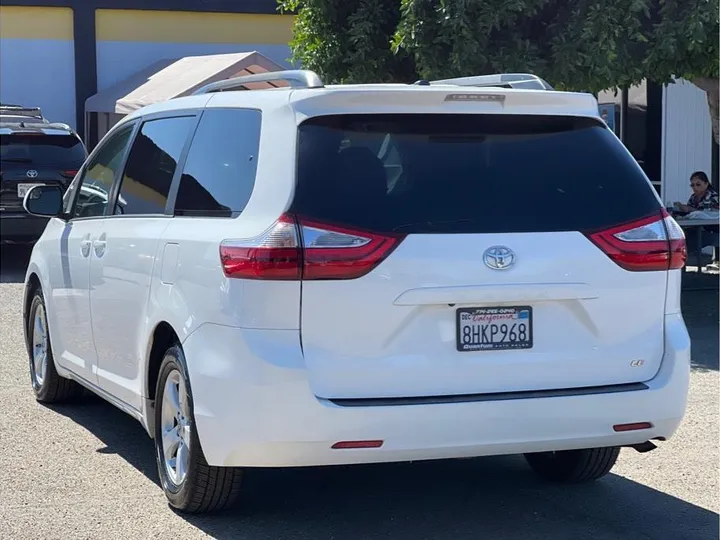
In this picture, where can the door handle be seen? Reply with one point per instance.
(99, 245)
(85, 244)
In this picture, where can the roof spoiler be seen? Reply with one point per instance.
(526, 81)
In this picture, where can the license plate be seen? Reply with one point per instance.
(22, 189)
(494, 328)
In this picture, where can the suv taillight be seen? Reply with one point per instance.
(654, 243)
(296, 248)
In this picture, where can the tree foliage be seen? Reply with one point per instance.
(349, 40)
(577, 44)
(586, 45)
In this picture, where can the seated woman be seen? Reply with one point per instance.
(704, 198)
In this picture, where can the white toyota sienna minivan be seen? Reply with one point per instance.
(319, 275)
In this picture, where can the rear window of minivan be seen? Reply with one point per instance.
(40, 149)
(468, 173)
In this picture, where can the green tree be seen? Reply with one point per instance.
(586, 45)
(349, 40)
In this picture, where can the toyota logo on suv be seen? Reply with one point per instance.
(32, 173)
(499, 258)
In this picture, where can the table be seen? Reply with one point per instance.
(698, 224)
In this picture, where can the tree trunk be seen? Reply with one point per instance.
(713, 95)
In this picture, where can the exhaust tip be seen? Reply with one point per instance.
(647, 446)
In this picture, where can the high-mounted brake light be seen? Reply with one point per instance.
(296, 248)
(653, 243)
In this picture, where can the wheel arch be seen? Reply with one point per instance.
(161, 339)
(32, 284)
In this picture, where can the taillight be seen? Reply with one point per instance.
(303, 249)
(275, 254)
(70, 173)
(331, 252)
(650, 244)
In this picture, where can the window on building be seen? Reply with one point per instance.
(151, 165)
(219, 173)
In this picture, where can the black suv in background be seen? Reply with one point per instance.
(32, 151)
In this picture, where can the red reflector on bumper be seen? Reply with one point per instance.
(632, 427)
(343, 445)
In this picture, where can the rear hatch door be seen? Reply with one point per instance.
(493, 283)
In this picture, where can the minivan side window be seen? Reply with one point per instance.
(219, 173)
(93, 185)
(151, 165)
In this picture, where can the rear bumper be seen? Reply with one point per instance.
(21, 227)
(254, 407)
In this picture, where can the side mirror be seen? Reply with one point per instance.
(44, 201)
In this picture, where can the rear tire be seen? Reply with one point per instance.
(190, 484)
(49, 387)
(574, 466)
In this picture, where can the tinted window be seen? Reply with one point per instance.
(42, 149)
(93, 186)
(151, 165)
(467, 173)
(219, 173)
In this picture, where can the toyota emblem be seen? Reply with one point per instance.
(499, 257)
(32, 173)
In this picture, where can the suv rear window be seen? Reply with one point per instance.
(42, 149)
(466, 173)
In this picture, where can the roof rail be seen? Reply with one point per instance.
(296, 78)
(18, 110)
(503, 80)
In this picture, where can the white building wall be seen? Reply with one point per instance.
(687, 139)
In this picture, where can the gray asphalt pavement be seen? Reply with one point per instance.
(87, 471)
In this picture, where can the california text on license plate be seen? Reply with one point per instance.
(494, 328)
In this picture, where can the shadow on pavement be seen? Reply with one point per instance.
(692, 280)
(700, 311)
(13, 262)
(494, 498)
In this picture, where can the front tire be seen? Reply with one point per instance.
(574, 466)
(49, 387)
(190, 484)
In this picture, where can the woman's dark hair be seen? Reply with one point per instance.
(704, 179)
(700, 176)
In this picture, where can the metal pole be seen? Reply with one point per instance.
(624, 99)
